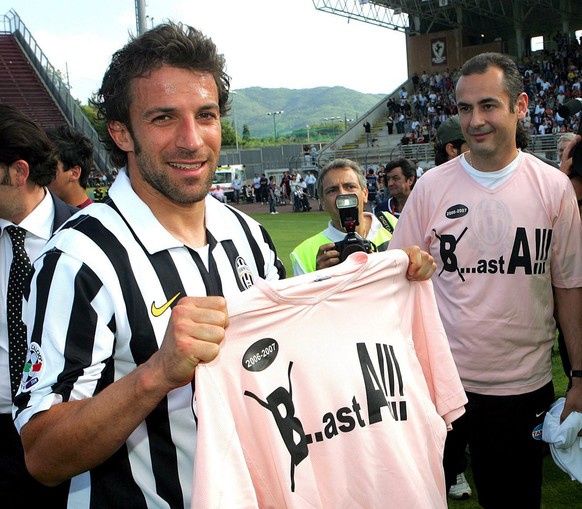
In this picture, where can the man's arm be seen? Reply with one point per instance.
(569, 310)
(72, 437)
(421, 265)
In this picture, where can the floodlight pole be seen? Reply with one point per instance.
(275, 113)
(140, 17)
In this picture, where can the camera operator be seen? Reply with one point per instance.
(343, 176)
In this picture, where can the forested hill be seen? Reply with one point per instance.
(301, 107)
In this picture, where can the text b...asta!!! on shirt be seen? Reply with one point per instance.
(296, 410)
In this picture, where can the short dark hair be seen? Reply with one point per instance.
(408, 167)
(479, 64)
(171, 44)
(440, 151)
(339, 164)
(22, 138)
(74, 149)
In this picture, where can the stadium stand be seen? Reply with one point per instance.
(29, 82)
(21, 87)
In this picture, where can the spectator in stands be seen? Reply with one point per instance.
(368, 132)
(75, 153)
(400, 179)
(372, 185)
(313, 154)
(497, 308)
(400, 119)
(381, 183)
(29, 214)
(390, 123)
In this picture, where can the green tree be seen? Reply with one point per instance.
(99, 124)
(228, 134)
(246, 132)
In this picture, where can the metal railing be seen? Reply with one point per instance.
(56, 87)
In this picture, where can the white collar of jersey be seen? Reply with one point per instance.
(141, 219)
(151, 233)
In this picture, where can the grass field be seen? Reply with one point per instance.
(559, 492)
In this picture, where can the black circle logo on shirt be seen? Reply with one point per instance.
(456, 211)
(260, 355)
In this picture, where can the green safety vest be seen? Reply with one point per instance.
(305, 254)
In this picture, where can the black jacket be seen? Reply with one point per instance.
(62, 212)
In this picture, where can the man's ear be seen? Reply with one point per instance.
(121, 136)
(521, 105)
(74, 173)
(451, 150)
(19, 172)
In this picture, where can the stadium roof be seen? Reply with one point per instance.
(492, 18)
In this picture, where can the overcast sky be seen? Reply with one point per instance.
(267, 43)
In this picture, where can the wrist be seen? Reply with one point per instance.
(576, 373)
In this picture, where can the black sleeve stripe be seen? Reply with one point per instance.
(43, 285)
(80, 336)
(113, 484)
(143, 343)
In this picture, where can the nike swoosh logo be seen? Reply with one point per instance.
(541, 413)
(159, 311)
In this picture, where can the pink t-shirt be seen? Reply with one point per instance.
(498, 253)
(333, 390)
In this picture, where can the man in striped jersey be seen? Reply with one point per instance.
(131, 295)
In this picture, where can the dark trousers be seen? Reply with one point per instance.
(455, 458)
(16, 484)
(505, 441)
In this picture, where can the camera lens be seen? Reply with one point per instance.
(351, 248)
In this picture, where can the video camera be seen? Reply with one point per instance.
(347, 205)
(567, 110)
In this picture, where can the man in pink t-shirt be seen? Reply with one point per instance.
(505, 232)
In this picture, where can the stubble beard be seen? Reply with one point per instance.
(193, 189)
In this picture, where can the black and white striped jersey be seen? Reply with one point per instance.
(99, 304)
